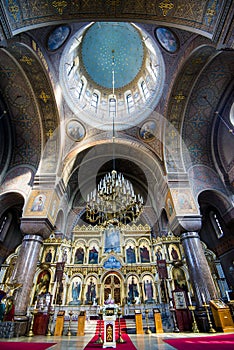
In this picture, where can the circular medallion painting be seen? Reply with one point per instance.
(167, 39)
(57, 37)
(148, 131)
(75, 130)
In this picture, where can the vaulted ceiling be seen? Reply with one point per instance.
(190, 138)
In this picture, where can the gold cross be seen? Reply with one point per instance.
(44, 97)
(179, 97)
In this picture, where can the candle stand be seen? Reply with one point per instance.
(69, 325)
(51, 313)
(176, 329)
(194, 325)
(148, 331)
(211, 329)
(99, 339)
(120, 339)
(30, 333)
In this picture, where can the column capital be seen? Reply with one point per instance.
(34, 238)
(187, 235)
(186, 223)
(39, 227)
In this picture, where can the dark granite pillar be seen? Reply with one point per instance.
(199, 271)
(25, 271)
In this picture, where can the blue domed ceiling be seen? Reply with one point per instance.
(86, 74)
(112, 42)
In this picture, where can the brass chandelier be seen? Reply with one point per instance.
(113, 201)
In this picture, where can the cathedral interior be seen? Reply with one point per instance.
(116, 158)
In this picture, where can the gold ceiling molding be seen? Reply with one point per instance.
(96, 228)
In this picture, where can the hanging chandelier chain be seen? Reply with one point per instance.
(114, 200)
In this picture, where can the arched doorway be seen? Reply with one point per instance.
(112, 285)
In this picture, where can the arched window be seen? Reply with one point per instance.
(232, 114)
(216, 224)
(112, 107)
(94, 102)
(130, 103)
(145, 90)
(80, 88)
(5, 222)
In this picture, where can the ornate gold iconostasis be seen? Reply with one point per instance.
(127, 263)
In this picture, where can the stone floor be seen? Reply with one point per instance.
(151, 341)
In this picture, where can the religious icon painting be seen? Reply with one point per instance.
(93, 255)
(170, 208)
(43, 282)
(48, 255)
(174, 253)
(130, 255)
(75, 292)
(179, 300)
(148, 131)
(148, 289)
(52, 212)
(112, 239)
(79, 255)
(65, 255)
(75, 130)
(158, 254)
(58, 37)
(39, 203)
(91, 291)
(133, 290)
(183, 201)
(179, 278)
(167, 39)
(144, 254)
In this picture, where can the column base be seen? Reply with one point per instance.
(21, 325)
(202, 321)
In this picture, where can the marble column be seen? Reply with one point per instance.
(25, 271)
(199, 271)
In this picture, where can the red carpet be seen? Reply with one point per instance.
(24, 346)
(216, 342)
(128, 345)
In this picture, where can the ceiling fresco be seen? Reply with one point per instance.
(52, 135)
(111, 46)
(200, 14)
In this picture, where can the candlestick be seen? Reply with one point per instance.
(30, 333)
(189, 299)
(69, 325)
(120, 339)
(99, 339)
(194, 324)
(211, 329)
(203, 298)
(148, 331)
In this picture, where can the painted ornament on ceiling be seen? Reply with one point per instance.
(147, 131)
(75, 130)
(167, 39)
(58, 37)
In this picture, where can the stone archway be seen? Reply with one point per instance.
(113, 286)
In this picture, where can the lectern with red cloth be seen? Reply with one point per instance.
(109, 318)
(183, 316)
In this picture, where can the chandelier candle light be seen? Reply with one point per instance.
(114, 200)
